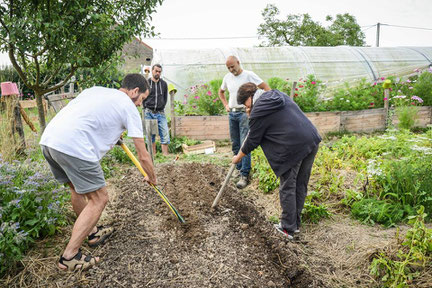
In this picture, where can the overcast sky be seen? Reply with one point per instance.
(241, 18)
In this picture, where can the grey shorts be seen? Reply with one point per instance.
(86, 176)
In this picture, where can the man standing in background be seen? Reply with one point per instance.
(154, 106)
(238, 120)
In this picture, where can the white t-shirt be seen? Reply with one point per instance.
(91, 124)
(232, 84)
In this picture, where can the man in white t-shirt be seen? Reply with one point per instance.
(74, 142)
(238, 120)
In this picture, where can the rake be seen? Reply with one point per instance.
(159, 191)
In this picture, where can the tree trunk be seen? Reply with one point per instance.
(41, 111)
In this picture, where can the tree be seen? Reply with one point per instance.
(46, 37)
(301, 30)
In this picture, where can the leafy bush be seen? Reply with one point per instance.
(176, 144)
(31, 206)
(413, 255)
(358, 97)
(279, 84)
(307, 94)
(267, 180)
(423, 87)
(407, 181)
(371, 211)
(313, 213)
(201, 100)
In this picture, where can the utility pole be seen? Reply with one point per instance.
(378, 34)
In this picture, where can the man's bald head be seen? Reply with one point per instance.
(233, 65)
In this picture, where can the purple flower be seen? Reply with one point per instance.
(209, 93)
(196, 97)
(408, 81)
(410, 87)
(416, 98)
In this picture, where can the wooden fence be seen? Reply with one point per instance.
(217, 127)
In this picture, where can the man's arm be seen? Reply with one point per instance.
(264, 86)
(223, 99)
(145, 159)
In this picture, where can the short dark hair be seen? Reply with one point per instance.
(131, 81)
(245, 91)
(156, 65)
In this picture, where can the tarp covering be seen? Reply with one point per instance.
(332, 65)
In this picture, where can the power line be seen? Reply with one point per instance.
(409, 27)
(364, 28)
(205, 38)
(399, 26)
(369, 27)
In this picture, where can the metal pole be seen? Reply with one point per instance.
(378, 34)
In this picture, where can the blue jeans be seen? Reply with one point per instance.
(239, 128)
(162, 126)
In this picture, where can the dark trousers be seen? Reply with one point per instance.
(293, 190)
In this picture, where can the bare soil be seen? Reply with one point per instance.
(233, 246)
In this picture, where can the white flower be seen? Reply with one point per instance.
(386, 137)
(373, 169)
(425, 150)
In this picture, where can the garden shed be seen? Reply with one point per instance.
(332, 65)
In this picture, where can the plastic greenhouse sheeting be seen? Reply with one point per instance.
(332, 65)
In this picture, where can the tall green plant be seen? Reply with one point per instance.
(279, 84)
(406, 110)
(423, 87)
(413, 255)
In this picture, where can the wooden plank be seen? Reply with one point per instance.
(217, 127)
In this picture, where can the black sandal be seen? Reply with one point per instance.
(74, 263)
(102, 233)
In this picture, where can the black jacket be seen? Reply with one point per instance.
(160, 89)
(284, 132)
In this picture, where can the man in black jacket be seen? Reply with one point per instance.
(289, 141)
(154, 106)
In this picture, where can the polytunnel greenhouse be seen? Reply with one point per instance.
(332, 65)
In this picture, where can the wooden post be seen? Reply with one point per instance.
(26, 118)
(173, 117)
(150, 128)
(387, 117)
(172, 91)
(19, 125)
(293, 90)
